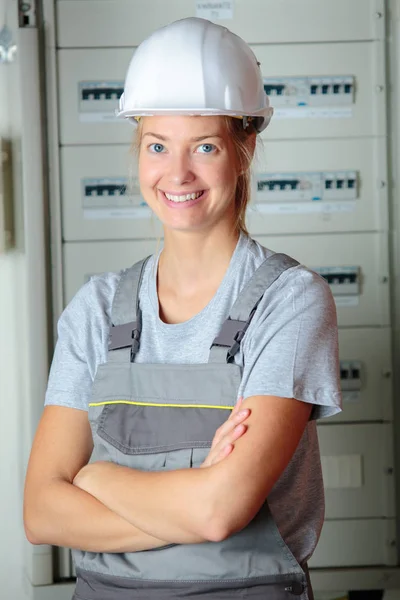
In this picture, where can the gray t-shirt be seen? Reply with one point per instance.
(290, 350)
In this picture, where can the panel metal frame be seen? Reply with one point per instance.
(323, 579)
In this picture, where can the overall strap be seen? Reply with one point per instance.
(227, 342)
(125, 313)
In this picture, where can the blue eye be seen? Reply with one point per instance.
(207, 148)
(157, 148)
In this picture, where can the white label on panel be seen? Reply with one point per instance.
(288, 208)
(346, 301)
(139, 212)
(214, 10)
(313, 113)
(342, 471)
(99, 117)
(350, 397)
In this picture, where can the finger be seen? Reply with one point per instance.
(237, 406)
(238, 431)
(228, 439)
(226, 450)
(229, 425)
(225, 446)
(221, 454)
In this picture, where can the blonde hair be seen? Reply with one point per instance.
(244, 145)
(244, 153)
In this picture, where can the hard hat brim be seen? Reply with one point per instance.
(265, 113)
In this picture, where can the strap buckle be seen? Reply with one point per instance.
(234, 349)
(135, 343)
(239, 335)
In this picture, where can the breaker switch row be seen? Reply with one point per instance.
(350, 375)
(343, 281)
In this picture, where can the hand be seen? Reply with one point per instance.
(92, 475)
(229, 432)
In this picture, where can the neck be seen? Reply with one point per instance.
(195, 260)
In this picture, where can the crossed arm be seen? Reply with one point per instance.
(115, 509)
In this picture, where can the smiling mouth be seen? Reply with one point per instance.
(183, 197)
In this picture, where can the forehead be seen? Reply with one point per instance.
(180, 127)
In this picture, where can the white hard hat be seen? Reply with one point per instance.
(195, 67)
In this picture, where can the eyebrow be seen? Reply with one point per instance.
(195, 139)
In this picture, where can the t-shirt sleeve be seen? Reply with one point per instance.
(80, 347)
(291, 348)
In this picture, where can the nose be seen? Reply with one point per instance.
(180, 169)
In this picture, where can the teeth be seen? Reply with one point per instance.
(184, 198)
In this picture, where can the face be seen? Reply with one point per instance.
(188, 171)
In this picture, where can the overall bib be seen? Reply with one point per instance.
(159, 417)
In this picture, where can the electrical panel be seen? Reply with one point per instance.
(356, 543)
(321, 195)
(90, 84)
(366, 304)
(81, 260)
(90, 81)
(101, 198)
(365, 375)
(101, 23)
(317, 186)
(337, 91)
(357, 466)
(354, 265)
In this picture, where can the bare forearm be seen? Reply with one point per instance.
(172, 505)
(70, 517)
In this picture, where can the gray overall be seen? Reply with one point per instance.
(157, 417)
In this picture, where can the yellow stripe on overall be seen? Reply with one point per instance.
(159, 404)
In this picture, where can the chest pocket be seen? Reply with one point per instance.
(163, 416)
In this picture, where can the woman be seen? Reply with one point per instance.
(159, 355)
